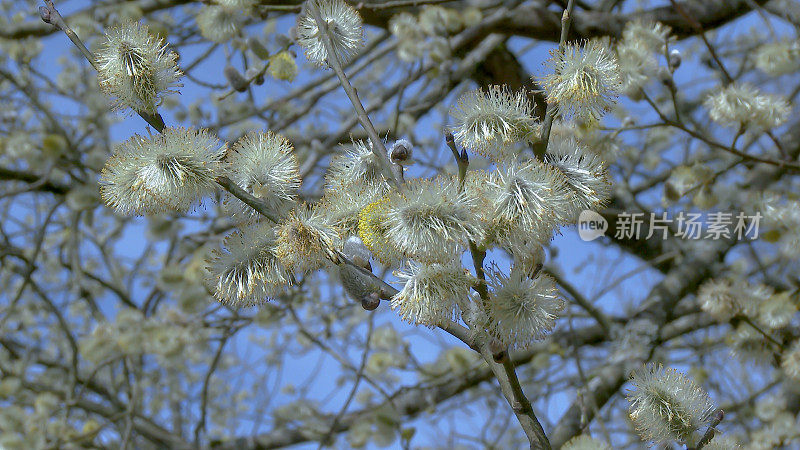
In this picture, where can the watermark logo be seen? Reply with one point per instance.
(686, 226)
(591, 225)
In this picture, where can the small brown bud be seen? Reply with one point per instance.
(402, 152)
(671, 192)
(628, 122)
(370, 302)
(674, 59)
(283, 40)
(258, 48)
(235, 79)
(666, 78)
(44, 13)
(499, 351)
(536, 270)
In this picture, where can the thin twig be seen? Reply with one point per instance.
(584, 303)
(711, 431)
(566, 21)
(248, 199)
(699, 29)
(201, 422)
(771, 339)
(354, 389)
(669, 122)
(506, 376)
(524, 404)
(333, 61)
(462, 158)
(50, 14)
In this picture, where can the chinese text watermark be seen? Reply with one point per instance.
(689, 226)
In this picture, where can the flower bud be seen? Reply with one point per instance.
(402, 152)
(359, 286)
(671, 192)
(282, 66)
(357, 252)
(665, 76)
(54, 145)
(471, 16)
(371, 302)
(628, 122)
(44, 13)
(257, 47)
(499, 351)
(674, 59)
(284, 40)
(235, 79)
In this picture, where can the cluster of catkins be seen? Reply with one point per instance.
(426, 33)
(420, 227)
(754, 309)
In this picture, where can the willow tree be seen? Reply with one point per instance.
(252, 224)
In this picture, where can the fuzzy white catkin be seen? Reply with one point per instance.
(584, 81)
(432, 220)
(166, 172)
(666, 406)
(779, 58)
(522, 309)
(752, 295)
(650, 35)
(776, 311)
(749, 345)
(431, 293)
(342, 205)
(221, 21)
(437, 21)
(586, 174)
(529, 200)
(487, 122)
(636, 54)
(529, 256)
(248, 271)
(791, 362)
(723, 299)
(717, 298)
(359, 286)
(721, 443)
(356, 163)
(744, 105)
(410, 37)
(136, 68)
(217, 23)
(637, 67)
(306, 239)
(344, 29)
(263, 164)
(584, 442)
(374, 231)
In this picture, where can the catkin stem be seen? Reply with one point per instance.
(566, 21)
(55, 19)
(333, 61)
(504, 369)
